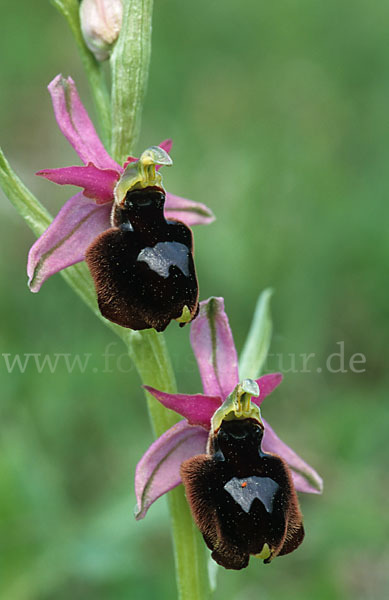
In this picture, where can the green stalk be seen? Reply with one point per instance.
(130, 61)
(189, 550)
(94, 69)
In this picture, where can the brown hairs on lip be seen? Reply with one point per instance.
(143, 266)
(241, 502)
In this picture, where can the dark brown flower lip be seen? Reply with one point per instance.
(141, 207)
(242, 499)
(143, 266)
(139, 192)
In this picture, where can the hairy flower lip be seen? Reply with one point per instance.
(87, 214)
(143, 267)
(242, 499)
(214, 349)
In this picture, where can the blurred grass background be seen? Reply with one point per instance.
(279, 115)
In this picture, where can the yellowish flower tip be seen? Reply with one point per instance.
(185, 316)
(238, 405)
(265, 552)
(142, 173)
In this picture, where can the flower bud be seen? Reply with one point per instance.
(101, 21)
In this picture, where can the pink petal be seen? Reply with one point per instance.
(129, 160)
(75, 124)
(196, 408)
(266, 384)
(189, 212)
(64, 243)
(98, 183)
(214, 348)
(304, 476)
(166, 145)
(158, 471)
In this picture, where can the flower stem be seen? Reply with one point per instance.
(189, 550)
(130, 61)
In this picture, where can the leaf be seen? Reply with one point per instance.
(257, 343)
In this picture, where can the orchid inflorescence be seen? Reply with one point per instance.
(141, 260)
(240, 478)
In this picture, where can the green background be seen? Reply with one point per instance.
(279, 115)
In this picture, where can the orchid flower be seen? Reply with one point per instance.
(242, 499)
(159, 469)
(87, 214)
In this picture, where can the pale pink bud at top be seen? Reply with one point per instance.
(101, 21)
